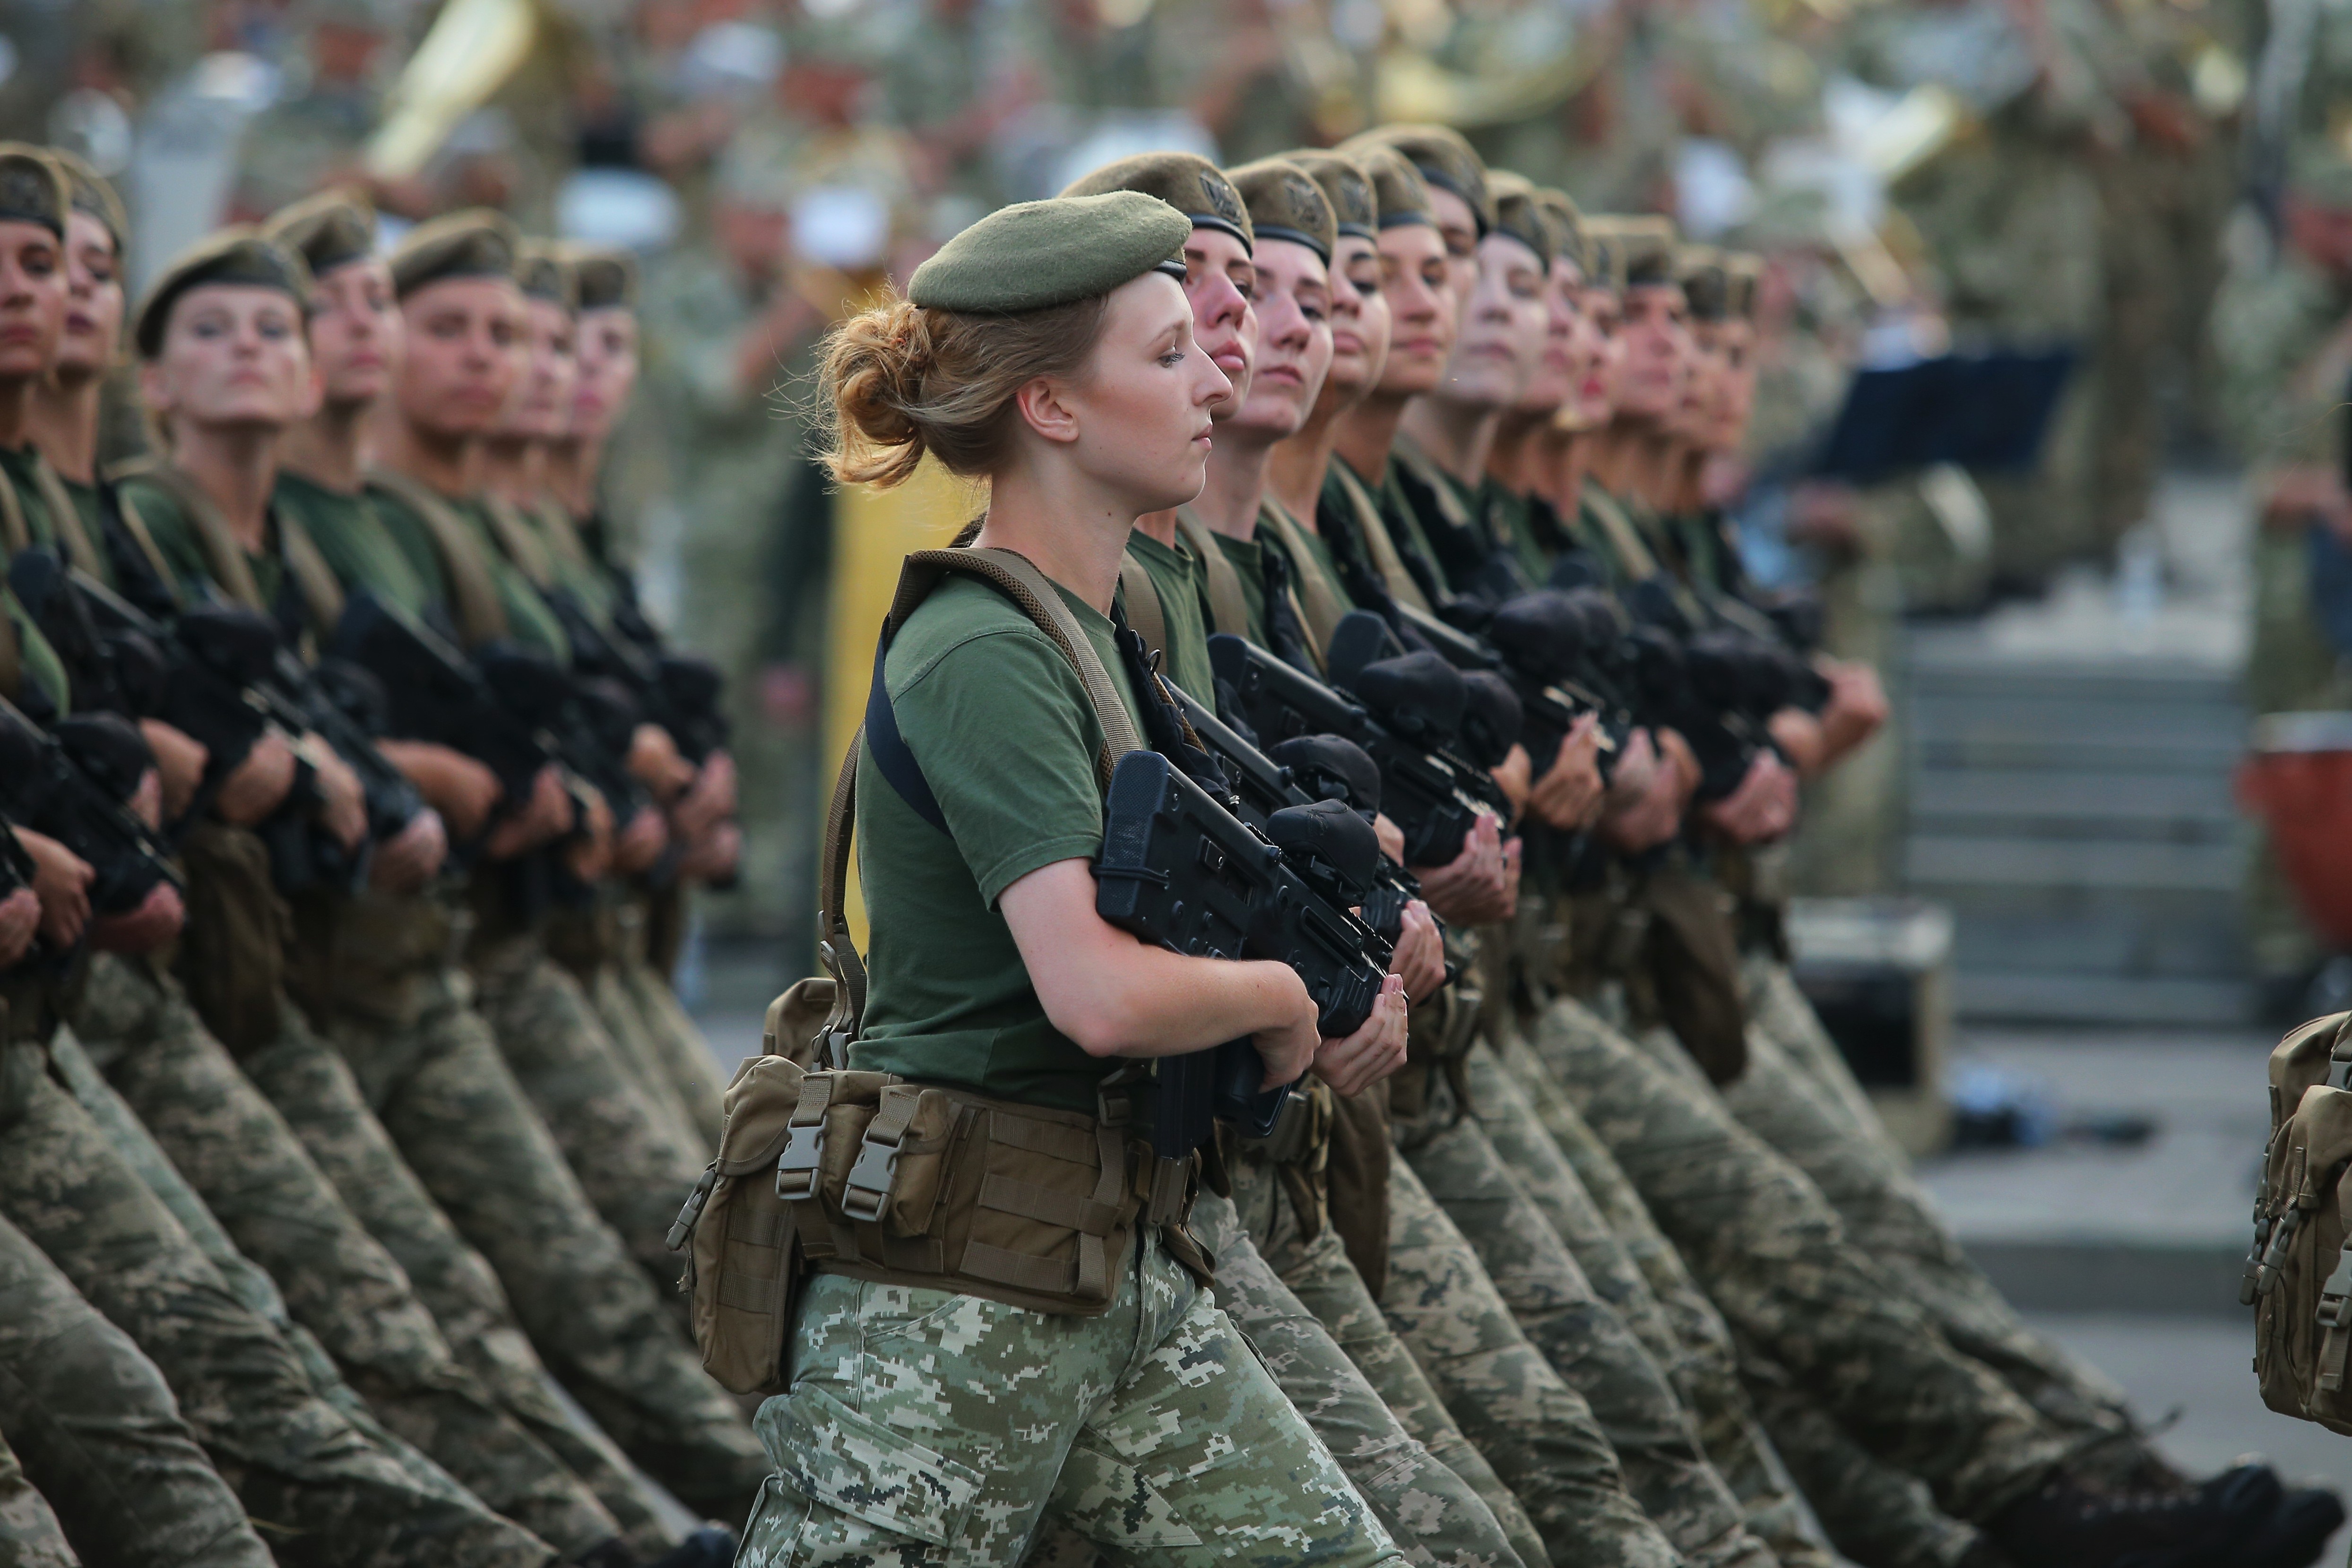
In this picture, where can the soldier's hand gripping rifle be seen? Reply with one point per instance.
(78, 796)
(1180, 870)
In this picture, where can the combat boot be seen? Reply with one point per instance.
(2067, 1525)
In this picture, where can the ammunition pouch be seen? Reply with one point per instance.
(1357, 1182)
(2298, 1277)
(866, 1175)
(232, 953)
(1688, 978)
(364, 953)
(1298, 1150)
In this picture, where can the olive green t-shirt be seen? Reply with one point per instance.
(37, 664)
(1249, 565)
(1006, 738)
(182, 546)
(527, 617)
(87, 507)
(17, 466)
(353, 537)
(1175, 571)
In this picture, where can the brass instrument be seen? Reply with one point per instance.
(473, 47)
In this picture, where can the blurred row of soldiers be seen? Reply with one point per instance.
(2056, 174)
(344, 1102)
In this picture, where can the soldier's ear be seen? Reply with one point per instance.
(154, 388)
(1044, 407)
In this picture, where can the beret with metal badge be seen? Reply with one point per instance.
(1567, 226)
(1034, 256)
(1284, 203)
(90, 193)
(1185, 180)
(1445, 159)
(1355, 206)
(331, 229)
(544, 273)
(477, 243)
(1397, 186)
(606, 277)
(33, 188)
(240, 255)
(1699, 269)
(1640, 246)
(1517, 215)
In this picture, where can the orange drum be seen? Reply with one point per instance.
(2298, 779)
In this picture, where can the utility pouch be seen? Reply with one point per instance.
(1692, 965)
(2298, 1276)
(232, 955)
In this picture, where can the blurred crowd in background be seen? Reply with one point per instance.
(2096, 180)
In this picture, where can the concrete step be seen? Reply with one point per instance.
(2080, 751)
(2025, 803)
(2078, 998)
(2157, 935)
(1937, 864)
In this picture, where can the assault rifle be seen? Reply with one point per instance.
(44, 788)
(1555, 648)
(1264, 785)
(1405, 718)
(675, 691)
(1180, 870)
(432, 693)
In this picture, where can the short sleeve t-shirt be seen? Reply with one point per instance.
(1249, 565)
(1176, 573)
(1005, 737)
(352, 539)
(527, 617)
(182, 548)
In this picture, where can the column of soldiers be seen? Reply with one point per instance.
(348, 795)
(1623, 1252)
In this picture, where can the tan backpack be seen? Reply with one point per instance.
(881, 1179)
(2299, 1275)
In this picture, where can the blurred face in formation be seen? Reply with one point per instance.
(1136, 422)
(541, 409)
(1702, 383)
(1220, 280)
(607, 372)
(355, 332)
(1501, 337)
(1294, 339)
(1657, 350)
(32, 300)
(1414, 275)
(93, 318)
(1553, 385)
(1735, 383)
(463, 354)
(1457, 227)
(234, 357)
(1596, 386)
(1360, 319)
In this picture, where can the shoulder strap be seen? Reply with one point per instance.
(835, 947)
(65, 517)
(12, 669)
(16, 533)
(1228, 607)
(1320, 608)
(136, 526)
(481, 618)
(222, 552)
(522, 547)
(1383, 550)
(1433, 479)
(320, 592)
(1633, 550)
(1144, 611)
(557, 527)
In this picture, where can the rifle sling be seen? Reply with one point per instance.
(481, 618)
(1228, 607)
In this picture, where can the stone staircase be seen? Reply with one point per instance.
(2068, 768)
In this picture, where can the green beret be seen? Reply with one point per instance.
(1517, 216)
(90, 193)
(1699, 269)
(1284, 203)
(1640, 248)
(1567, 228)
(1397, 186)
(545, 273)
(1037, 255)
(1445, 159)
(607, 278)
(1743, 271)
(331, 229)
(1355, 207)
(240, 255)
(1185, 180)
(477, 243)
(33, 188)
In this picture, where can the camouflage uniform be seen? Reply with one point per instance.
(250, 1170)
(1771, 1254)
(925, 1423)
(1431, 1511)
(29, 1536)
(1314, 1267)
(328, 1494)
(104, 1440)
(677, 1041)
(1584, 1338)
